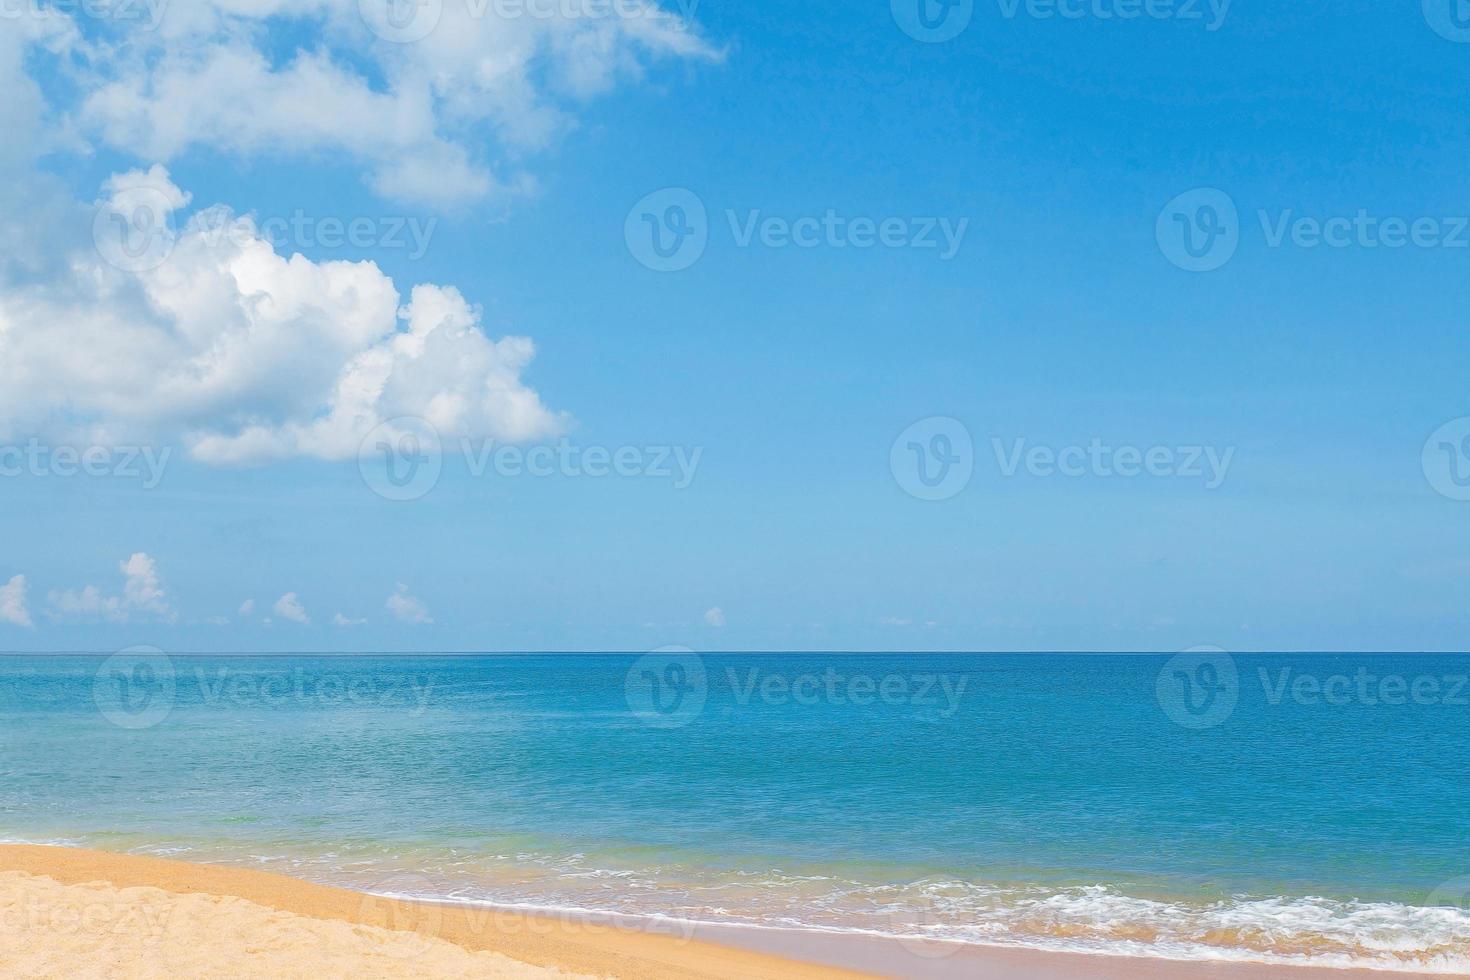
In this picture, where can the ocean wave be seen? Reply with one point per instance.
(928, 915)
(931, 913)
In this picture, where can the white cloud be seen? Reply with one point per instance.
(248, 356)
(341, 620)
(289, 607)
(406, 609)
(13, 607)
(143, 594)
(715, 617)
(444, 120)
(247, 607)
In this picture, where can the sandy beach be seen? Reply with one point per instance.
(77, 913)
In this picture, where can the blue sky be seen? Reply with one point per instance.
(1062, 320)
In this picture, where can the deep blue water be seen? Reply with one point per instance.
(1249, 806)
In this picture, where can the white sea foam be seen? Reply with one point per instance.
(1091, 918)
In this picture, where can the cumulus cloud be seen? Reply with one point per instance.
(289, 607)
(406, 609)
(443, 120)
(142, 595)
(245, 355)
(247, 607)
(343, 621)
(14, 608)
(715, 617)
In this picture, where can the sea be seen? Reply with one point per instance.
(1280, 808)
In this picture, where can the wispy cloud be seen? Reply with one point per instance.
(14, 608)
(407, 609)
(143, 595)
(289, 607)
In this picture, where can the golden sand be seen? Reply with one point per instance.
(73, 913)
(99, 930)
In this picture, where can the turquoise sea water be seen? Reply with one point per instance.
(1287, 808)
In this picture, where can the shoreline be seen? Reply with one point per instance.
(606, 945)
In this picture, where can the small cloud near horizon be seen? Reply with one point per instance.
(408, 609)
(289, 607)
